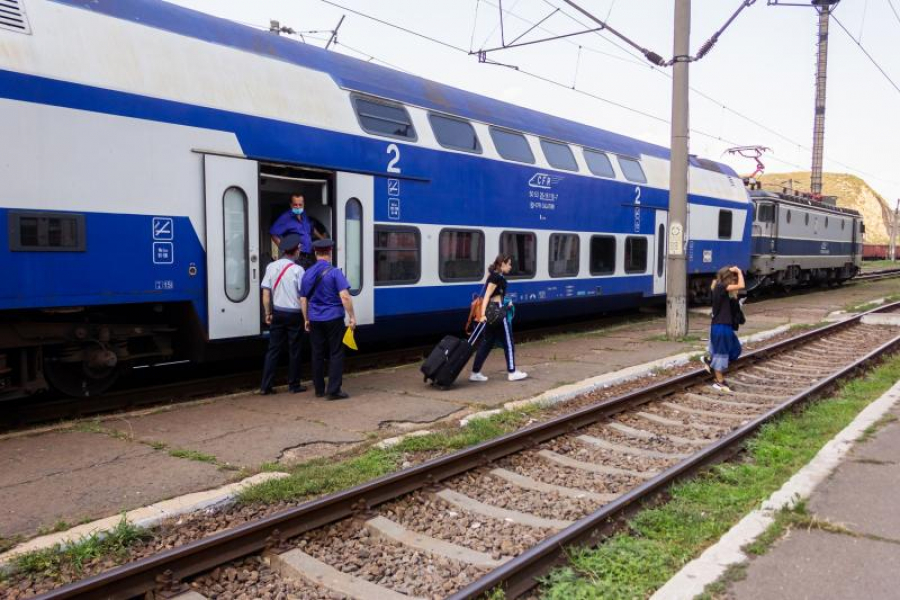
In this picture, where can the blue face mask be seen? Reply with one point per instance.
(297, 211)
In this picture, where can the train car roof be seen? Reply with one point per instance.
(800, 201)
(353, 74)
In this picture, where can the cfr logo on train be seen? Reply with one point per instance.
(543, 181)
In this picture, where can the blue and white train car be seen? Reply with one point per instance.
(147, 149)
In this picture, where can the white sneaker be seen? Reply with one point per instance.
(517, 375)
(477, 377)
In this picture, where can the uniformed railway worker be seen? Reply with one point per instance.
(296, 221)
(281, 302)
(325, 299)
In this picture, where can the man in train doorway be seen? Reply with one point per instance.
(281, 302)
(325, 299)
(296, 221)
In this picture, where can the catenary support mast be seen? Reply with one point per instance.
(676, 264)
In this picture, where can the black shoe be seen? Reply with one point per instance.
(338, 396)
(320, 394)
(298, 389)
(267, 392)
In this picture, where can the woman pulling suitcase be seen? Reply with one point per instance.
(498, 327)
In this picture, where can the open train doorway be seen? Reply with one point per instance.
(277, 185)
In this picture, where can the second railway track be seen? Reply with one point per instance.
(501, 513)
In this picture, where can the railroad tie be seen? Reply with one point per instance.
(601, 443)
(673, 423)
(192, 595)
(472, 505)
(708, 400)
(643, 434)
(539, 486)
(387, 529)
(592, 467)
(704, 413)
(299, 566)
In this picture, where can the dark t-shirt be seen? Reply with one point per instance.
(499, 280)
(721, 306)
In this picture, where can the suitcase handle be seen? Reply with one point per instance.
(479, 329)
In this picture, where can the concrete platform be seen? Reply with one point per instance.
(851, 486)
(862, 564)
(124, 461)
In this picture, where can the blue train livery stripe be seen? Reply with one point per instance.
(366, 77)
(121, 264)
(393, 301)
(795, 247)
(457, 188)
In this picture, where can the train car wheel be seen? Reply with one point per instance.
(80, 379)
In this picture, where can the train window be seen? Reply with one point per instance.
(559, 155)
(522, 247)
(461, 256)
(397, 255)
(46, 232)
(807, 219)
(598, 163)
(826, 222)
(454, 133)
(380, 117)
(237, 264)
(512, 146)
(353, 244)
(765, 213)
(843, 224)
(862, 227)
(564, 255)
(788, 216)
(635, 254)
(725, 219)
(632, 170)
(603, 255)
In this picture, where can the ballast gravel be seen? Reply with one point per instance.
(349, 547)
(498, 492)
(434, 517)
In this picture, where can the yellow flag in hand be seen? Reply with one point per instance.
(349, 341)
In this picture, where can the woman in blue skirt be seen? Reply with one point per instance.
(724, 346)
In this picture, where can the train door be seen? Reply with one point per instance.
(354, 228)
(659, 267)
(764, 229)
(232, 246)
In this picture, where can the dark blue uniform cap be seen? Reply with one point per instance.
(289, 242)
(323, 244)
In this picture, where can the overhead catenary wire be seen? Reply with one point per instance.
(894, 9)
(866, 52)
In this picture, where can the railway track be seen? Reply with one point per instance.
(877, 275)
(501, 513)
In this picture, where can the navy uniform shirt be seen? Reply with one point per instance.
(325, 304)
(289, 223)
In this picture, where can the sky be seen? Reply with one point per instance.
(755, 87)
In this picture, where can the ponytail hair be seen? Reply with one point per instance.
(501, 258)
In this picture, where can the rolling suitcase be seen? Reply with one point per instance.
(449, 357)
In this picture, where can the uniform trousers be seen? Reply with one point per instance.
(327, 341)
(285, 327)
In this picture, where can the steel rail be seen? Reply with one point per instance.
(146, 574)
(521, 574)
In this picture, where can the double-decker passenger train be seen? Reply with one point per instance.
(148, 148)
